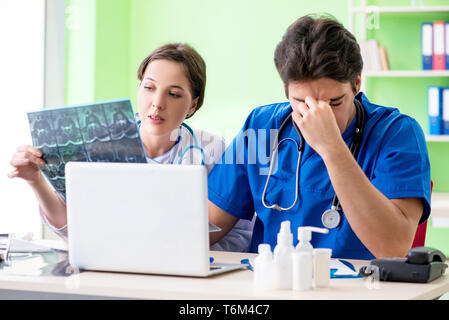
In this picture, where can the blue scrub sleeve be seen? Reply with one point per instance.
(228, 184)
(403, 169)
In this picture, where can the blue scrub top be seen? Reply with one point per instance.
(393, 156)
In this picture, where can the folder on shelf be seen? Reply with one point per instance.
(434, 109)
(445, 113)
(446, 35)
(439, 54)
(426, 45)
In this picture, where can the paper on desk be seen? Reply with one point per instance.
(22, 246)
(342, 270)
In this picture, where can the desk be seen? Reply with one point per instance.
(45, 282)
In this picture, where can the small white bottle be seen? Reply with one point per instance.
(302, 267)
(283, 258)
(264, 268)
(321, 266)
(304, 237)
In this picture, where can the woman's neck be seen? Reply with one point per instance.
(157, 145)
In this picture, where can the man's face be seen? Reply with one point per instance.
(338, 95)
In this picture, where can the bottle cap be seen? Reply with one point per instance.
(265, 251)
(285, 235)
(264, 247)
(305, 233)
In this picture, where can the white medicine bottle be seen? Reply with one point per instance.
(283, 257)
(304, 237)
(264, 268)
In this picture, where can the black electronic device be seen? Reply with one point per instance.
(422, 264)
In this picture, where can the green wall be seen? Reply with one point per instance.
(237, 39)
(98, 47)
(112, 49)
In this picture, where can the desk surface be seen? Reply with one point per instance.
(47, 278)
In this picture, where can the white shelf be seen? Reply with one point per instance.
(401, 9)
(407, 73)
(440, 210)
(437, 138)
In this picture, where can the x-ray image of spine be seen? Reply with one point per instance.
(100, 132)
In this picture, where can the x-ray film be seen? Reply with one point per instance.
(100, 132)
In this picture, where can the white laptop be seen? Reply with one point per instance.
(139, 218)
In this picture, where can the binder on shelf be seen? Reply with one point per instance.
(446, 34)
(439, 54)
(434, 109)
(445, 116)
(426, 45)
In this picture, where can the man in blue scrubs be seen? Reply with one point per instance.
(384, 194)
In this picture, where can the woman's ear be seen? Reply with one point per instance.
(193, 107)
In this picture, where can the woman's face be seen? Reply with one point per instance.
(164, 98)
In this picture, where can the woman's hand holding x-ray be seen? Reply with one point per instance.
(26, 162)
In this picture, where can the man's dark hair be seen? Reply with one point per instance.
(314, 48)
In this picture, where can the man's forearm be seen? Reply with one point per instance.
(379, 224)
(221, 219)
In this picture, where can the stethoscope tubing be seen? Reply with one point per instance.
(272, 161)
(354, 148)
(195, 145)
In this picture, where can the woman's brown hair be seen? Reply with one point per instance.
(193, 63)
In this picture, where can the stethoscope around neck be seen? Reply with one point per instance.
(331, 217)
(194, 146)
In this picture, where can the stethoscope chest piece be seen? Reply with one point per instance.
(331, 218)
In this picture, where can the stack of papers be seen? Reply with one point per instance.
(24, 244)
(342, 269)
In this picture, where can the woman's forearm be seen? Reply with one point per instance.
(51, 205)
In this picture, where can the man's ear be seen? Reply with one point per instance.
(357, 84)
(286, 90)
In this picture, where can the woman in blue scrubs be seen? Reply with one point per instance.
(384, 193)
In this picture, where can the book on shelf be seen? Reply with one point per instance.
(375, 57)
(385, 63)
